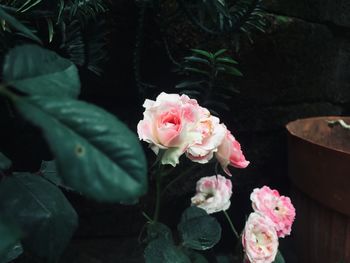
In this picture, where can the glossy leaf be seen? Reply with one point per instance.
(199, 230)
(158, 230)
(279, 258)
(162, 250)
(45, 217)
(13, 22)
(227, 60)
(96, 154)
(14, 252)
(203, 53)
(219, 52)
(5, 163)
(10, 236)
(38, 71)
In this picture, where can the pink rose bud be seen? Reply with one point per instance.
(259, 239)
(213, 194)
(278, 208)
(229, 153)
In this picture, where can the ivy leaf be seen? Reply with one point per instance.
(10, 236)
(5, 163)
(95, 153)
(162, 250)
(45, 217)
(38, 71)
(13, 22)
(199, 230)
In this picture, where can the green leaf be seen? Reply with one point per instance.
(48, 170)
(199, 230)
(279, 258)
(45, 217)
(230, 70)
(38, 71)
(158, 230)
(5, 163)
(10, 236)
(95, 153)
(186, 84)
(196, 70)
(12, 254)
(203, 53)
(219, 52)
(197, 60)
(13, 22)
(227, 60)
(162, 250)
(195, 257)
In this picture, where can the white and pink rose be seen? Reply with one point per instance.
(278, 208)
(259, 239)
(213, 194)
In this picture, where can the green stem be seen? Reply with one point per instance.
(231, 224)
(158, 195)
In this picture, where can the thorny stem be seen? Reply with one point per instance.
(231, 224)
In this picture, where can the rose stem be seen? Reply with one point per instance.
(231, 224)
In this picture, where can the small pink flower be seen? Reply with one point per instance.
(213, 194)
(259, 239)
(212, 135)
(170, 123)
(278, 208)
(230, 153)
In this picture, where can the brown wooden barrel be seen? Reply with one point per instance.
(319, 168)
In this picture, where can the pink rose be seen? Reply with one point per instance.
(212, 135)
(213, 194)
(278, 208)
(170, 123)
(229, 153)
(259, 239)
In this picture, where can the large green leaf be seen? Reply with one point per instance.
(46, 218)
(38, 71)
(199, 230)
(96, 154)
(158, 230)
(162, 250)
(13, 22)
(9, 237)
(5, 163)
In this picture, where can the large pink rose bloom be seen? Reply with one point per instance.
(229, 153)
(169, 123)
(213, 194)
(259, 239)
(278, 208)
(212, 133)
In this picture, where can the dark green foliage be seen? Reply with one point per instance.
(77, 27)
(41, 211)
(208, 78)
(5, 163)
(218, 17)
(198, 230)
(36, 71)
(162, 250)
(279, 258)
(9, 241)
